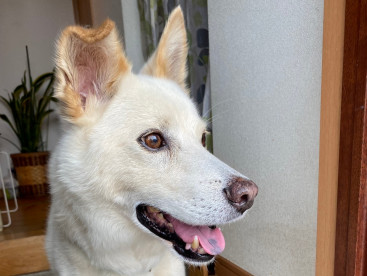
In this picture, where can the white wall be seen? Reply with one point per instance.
(266, 88)
(37, 24)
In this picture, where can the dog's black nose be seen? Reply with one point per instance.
(241, 193)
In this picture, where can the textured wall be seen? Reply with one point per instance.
(266, 88)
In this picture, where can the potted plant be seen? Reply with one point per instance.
(29, 105)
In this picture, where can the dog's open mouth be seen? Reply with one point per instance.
(196, 243)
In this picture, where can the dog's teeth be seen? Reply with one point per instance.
(152, 209)
(201, 250)
(195, 243)
(160, 216)
(170, 227)
(188, 246)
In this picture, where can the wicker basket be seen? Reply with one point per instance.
(31, 170)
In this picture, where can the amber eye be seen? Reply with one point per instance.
(203, 139)
(153, 141)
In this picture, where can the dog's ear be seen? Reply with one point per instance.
(89, 65)
(169, 59)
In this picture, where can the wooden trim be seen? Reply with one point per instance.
(197, 271)
(223, 267)
(83, 12)
(331, 88)
(351, 236)
(24, 255)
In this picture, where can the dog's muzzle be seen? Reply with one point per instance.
(241, 193)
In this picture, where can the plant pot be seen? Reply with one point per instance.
(31, 171)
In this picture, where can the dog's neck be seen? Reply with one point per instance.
(126, 249)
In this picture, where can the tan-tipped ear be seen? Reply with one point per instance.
(89, 65)
(169, 59)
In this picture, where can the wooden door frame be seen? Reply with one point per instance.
(83, 12)
(331, 91)
(342, 199)
(351, 223)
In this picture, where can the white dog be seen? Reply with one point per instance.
(134, 192)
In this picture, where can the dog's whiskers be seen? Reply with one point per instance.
(215, 117)
(216, 105)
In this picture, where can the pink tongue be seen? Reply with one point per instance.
(211, 240)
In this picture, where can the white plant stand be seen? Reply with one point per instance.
(2, 182)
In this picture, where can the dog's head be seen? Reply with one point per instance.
(139, 139)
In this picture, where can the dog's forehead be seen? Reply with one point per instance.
(157, 101)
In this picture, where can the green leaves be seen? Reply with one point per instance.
(29, 106)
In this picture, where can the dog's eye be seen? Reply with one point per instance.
(203, 139)
(154, 141)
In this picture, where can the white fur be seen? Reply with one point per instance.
(100, 172)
